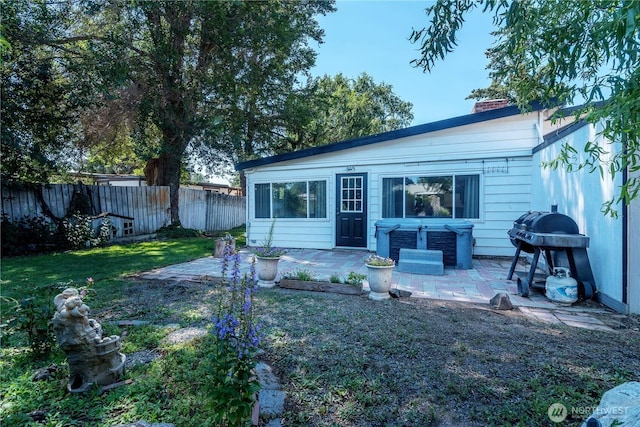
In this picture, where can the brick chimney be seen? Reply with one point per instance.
(489, 104)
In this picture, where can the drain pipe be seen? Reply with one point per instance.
(625, 244)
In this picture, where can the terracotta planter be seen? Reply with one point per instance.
(379, 281)
(267, 270)
(220, 245)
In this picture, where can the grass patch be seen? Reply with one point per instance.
(171, 389)
(21, 274)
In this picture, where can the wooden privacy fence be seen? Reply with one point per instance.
(148, 206)
(203, 210)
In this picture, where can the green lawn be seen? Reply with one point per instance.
(22, 275)
(151, 395)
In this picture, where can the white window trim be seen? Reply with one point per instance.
(271, 183)
(382, 177)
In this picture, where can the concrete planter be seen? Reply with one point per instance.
(267, 270)
(379, 281)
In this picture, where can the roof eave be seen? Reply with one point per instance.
(391, 135)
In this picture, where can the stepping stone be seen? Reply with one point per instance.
(421, 261)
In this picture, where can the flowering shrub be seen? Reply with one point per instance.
(79, 233)
(78, 230)
(35, 234)
(270, 252)
(233, 384)
(104, 232)
(378, 261)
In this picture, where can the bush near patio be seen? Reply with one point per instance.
(341, 361)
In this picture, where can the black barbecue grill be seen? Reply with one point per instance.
(557, 235)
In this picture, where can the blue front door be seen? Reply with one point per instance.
(351, 210)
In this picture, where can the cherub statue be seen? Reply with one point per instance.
(92, 359)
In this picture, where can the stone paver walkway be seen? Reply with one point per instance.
(477, 285)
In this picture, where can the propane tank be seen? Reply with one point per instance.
(561, 287)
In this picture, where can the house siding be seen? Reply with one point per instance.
(580, 194)
(499, 151)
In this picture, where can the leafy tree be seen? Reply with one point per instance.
(107, 144)
(255, 99)
(560, 52)
(40, 104)
(177, 74)
(331, 109)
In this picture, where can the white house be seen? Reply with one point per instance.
(483, 168)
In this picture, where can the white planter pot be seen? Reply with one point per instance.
(267, 270)
(379, 281)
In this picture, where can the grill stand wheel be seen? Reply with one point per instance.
(524, 284)
(577, 263)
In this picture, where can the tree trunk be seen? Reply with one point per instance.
(171, 165)
(165, 170)
(152, 172)
(243, 183)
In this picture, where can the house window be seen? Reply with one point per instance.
(300, 199)
(352, 200)
(454, 196)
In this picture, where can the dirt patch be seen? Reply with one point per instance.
(161, 301)
(351, 361)
(346, 360)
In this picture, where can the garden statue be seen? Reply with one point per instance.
(92, 359)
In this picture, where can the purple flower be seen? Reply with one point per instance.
(234, 325)
(246, 307)
(226, 327)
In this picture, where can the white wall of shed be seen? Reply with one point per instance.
(580, 195)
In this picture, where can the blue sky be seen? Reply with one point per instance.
(373, 37)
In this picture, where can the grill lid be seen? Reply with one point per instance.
(546, 222)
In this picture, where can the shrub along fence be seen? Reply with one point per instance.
(136, 210)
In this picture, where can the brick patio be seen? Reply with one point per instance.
(477, 285)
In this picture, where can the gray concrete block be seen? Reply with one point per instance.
(420, 255)
(271, 402)
(421, 267)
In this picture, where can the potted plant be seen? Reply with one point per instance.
(379, 273)
(267, 258)
(221, 243)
